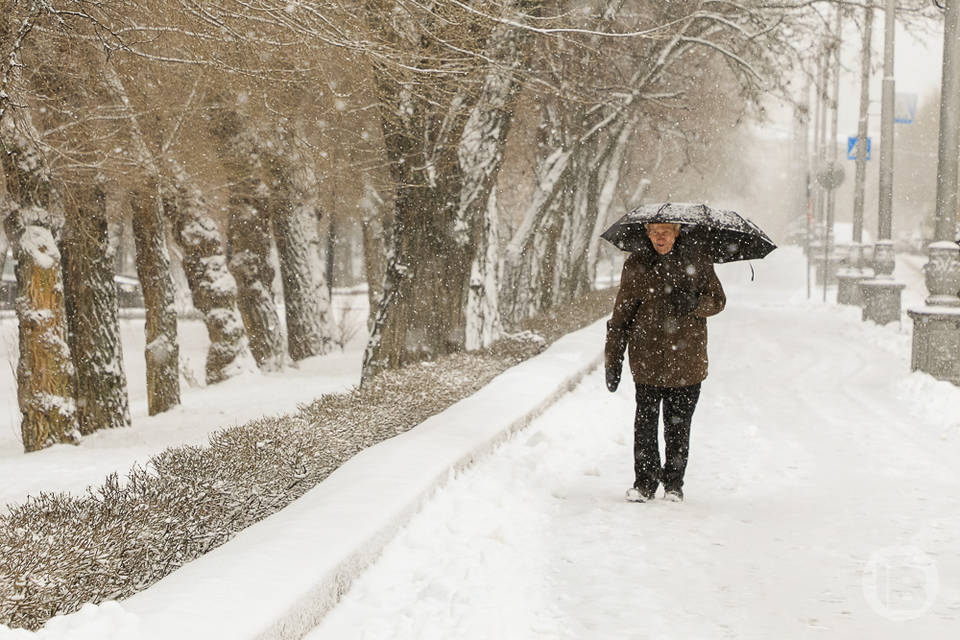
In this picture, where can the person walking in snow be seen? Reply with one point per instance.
(665, 296)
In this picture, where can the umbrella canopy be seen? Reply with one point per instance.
(726, 236)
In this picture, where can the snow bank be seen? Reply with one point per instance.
(107, 621)
(278, 578)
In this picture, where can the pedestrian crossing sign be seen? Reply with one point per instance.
(852, 147)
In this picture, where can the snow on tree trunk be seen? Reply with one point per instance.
(45, 372)
(608, 182)
(420, 313)
(212, 287)
(552, 230)
(442, 195)
(294, 211)
(480, 156)
(483, 316)
(420, 316)
(374, 244)
(162, 352)
(248, 235)
(597, 169)
(91, 302)
(569, 265)
(4, 244)
(526, 272)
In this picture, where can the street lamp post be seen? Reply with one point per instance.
(829, 262)
(936, 325)
(881, 295)
(848, 280)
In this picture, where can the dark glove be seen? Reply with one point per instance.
(613, 355)
(683, 301)
(613, 377)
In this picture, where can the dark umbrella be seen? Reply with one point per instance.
(726, 236)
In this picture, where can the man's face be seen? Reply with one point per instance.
(662, 236)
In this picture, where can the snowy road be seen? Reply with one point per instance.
(822, 502)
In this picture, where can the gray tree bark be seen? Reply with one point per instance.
(162, 351)
(294, 206)
(212, 287)
(442, 193)
(248, 235)
(91, 304)
(375, 231)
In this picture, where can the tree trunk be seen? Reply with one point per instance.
(45, 372)
(483, 316)
(374, 229)
(212, 287)
(480, 156)
(420, 313)
(91, 302)
(608, 182)
(162, 352)
(420, 316)
(293, 213)
(4, 244)
(248, 235)
(439, 207)
(527, 269)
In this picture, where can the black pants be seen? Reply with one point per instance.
(678, 406)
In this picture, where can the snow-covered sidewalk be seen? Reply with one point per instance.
(821, 502)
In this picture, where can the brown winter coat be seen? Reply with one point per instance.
(666, 349)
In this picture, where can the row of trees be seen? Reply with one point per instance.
(481, 143)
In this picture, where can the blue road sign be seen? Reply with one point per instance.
(852, 147)
(904, 108)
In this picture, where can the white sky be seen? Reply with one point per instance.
(917, 69)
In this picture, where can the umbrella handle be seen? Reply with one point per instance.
(751, 270)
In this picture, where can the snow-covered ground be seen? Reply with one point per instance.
(203, 409)
(821, 501)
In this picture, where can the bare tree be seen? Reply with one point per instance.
(45, 373)
(213, 289)
(91, 310)
(444, 137)
(249, 237)
(294, 212)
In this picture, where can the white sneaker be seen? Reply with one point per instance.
(675, 495)
(634, 495)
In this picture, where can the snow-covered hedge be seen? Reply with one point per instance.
(58, 552)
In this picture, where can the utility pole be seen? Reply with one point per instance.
(834, 182)
(936, 325)
(818, 134)
(848, 288)
(881, 295)
(807, 177)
